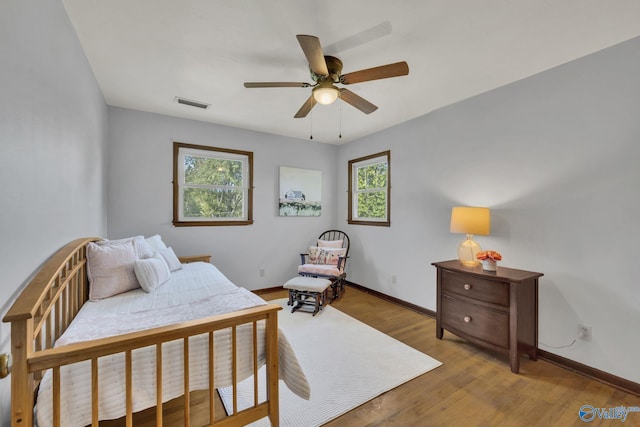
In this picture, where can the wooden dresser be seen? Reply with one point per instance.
(497, 310)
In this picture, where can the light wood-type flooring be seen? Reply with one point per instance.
(473, 387)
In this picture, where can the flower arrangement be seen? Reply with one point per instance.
(489, 255)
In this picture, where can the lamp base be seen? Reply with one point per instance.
(467, 251)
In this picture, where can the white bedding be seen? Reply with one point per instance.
(198, 290)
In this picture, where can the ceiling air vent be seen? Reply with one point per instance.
(192, 103)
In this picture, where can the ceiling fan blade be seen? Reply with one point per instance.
(376, 73)
(306, 108)
(357, 101)
(276, 84)
(313, 51)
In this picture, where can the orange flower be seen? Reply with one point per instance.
(492, 255)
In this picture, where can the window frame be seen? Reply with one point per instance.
(354, 192)
(179, 148)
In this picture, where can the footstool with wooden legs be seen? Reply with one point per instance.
(308, 291)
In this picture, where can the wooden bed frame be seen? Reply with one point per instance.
(48, 304)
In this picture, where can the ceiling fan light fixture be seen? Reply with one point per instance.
(325, 95)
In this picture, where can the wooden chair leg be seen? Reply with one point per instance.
(335, 288)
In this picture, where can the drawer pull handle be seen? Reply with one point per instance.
(467, 319)
(467, 286)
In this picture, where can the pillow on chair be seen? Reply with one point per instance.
(330, 243)
(325, 256)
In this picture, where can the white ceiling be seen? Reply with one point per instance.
(144, 53)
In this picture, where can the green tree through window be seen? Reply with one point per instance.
(369, 190)
(222, 201)
(212, 186)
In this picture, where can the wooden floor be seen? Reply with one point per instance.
(473, 387)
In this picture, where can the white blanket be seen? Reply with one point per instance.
(198, 290)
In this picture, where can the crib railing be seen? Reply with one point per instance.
(48, 304)
(93, 350)
(40, 315)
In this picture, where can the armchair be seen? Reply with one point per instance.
(327, 260)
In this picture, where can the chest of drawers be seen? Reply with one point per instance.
(497, 310)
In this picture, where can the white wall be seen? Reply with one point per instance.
(52, 144)
(141, 194)
(555, 157)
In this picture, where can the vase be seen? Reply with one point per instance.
(489, 265)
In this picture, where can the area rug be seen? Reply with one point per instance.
(347, 363)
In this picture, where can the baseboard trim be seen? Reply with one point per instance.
(590, 372)
(268, 290)
(593, 373)
(394, 300)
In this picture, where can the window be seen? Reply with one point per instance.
(370, 190)
(211, 186)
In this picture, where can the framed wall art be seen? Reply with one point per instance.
(300, 192)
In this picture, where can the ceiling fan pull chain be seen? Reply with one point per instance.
(311, 126)
(340, 131)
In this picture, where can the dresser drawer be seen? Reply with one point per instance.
(482, 323)
(490, 291)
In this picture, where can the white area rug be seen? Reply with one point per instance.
(346, 362)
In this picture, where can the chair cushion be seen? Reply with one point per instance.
(307, 284)
(320, 269)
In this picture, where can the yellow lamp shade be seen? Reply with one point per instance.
(470, 220)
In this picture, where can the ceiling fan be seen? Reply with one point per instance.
(326, 72)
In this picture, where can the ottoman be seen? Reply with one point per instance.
(307, 291)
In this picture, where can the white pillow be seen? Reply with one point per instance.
(170, 258)
(142, 248)
(330, 243)
(155, 243)
(151, 272)
(110, 269)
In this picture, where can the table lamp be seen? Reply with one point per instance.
(469, 220)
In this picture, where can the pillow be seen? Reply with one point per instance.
(330, 243)
(333, 254)
(110, 269)
(170, 258)
(314, 255)
(325, 256)
(142, 248)
(151, 272)
(155, 243)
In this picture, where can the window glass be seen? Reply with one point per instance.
(212, 186)
(369, 190)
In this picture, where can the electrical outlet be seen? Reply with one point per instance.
(261, 272)
(584, 332)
